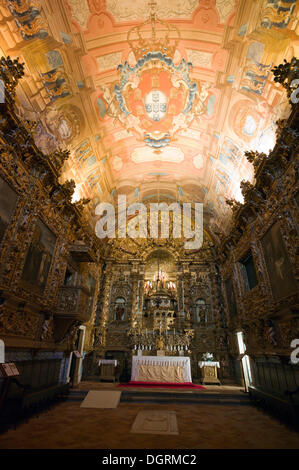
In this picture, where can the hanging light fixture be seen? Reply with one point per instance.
(158, 300)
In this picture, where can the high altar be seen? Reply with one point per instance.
(171, 369)
(160, 336)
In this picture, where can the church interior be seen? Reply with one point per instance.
(114, 335)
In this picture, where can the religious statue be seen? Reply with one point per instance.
(119, 313)
(188, 318)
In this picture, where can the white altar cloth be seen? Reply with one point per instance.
(162, 362)
(108, 361)
(209, 363)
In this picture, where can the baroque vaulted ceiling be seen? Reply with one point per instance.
(153, 96)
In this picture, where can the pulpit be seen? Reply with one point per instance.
(209, 372)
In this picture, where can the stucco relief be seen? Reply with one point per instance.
(109, 61)
(199, 58)
(225, 9)
(126, 10)
(80, 11)
(117, 163)
(168, 154)
(191, 133)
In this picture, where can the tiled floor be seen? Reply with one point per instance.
(200, 427)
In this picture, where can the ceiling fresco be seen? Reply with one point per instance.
(148, 94)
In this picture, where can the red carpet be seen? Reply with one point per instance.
(185, 385)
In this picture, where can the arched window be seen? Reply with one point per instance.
(119, 309)
(201, 313)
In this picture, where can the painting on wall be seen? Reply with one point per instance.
(278, 265)
(230, 153)
(8, 201)
(84, 154)
(39, 256)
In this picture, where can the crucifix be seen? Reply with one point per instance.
(160, 327)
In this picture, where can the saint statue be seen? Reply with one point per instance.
(119, 313)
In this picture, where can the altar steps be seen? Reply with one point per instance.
(166, 397)
(184, 398)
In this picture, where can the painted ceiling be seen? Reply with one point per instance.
(155, 97)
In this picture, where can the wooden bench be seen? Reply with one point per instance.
(284, 406)
(22, 401)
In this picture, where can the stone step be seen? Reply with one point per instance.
(184, 397)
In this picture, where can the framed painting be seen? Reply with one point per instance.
(278, 264)
(8, 202)
(39, 256)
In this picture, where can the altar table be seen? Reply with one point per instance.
(108, 361)
(171, 369)
(108, 369)
(209, 372)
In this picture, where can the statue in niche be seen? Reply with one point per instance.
(119, 311)
(187, 319)
(200, 308)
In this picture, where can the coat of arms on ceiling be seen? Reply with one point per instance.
(154, 97)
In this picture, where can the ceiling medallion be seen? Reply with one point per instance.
(155, 99)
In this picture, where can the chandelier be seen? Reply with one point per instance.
(159, 282)
(154, 35)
